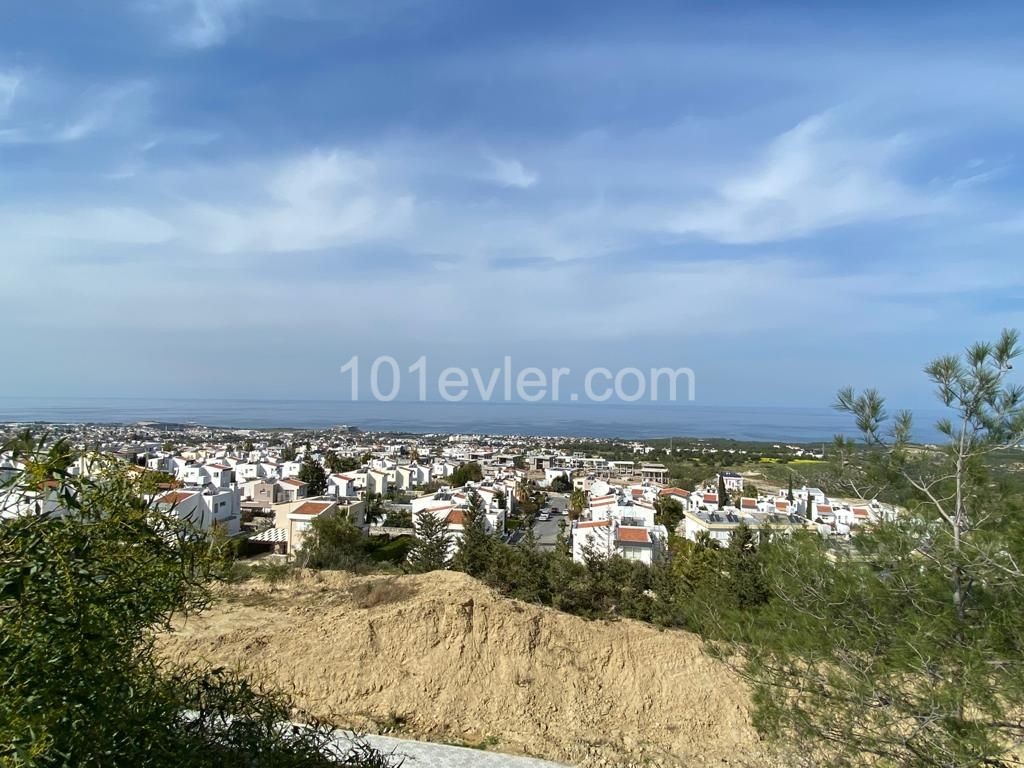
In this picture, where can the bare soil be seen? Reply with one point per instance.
(442, 657)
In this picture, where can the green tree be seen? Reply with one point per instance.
(789, 495)
(468, 472)
(577, 503)
(743, 561)
(723, 494)
(561, 484)
(668, 512)
(288, 453)
(375, 509)
(333, 542)
(313, 475)
(332, 461)
(84, 592)
(906, 649)
(474, 550)
(432, 549)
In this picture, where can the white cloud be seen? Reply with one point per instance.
(56, 115)
(308, 202)
(59, 231)
(9, 83)
(200, 23)
(509, 172)
(810, 179)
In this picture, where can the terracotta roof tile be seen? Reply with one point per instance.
(312, 507)
(633, 535)
(176, 497)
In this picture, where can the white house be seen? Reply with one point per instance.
(205, 509)
(733, 481)
(609, 537)
(341, 485)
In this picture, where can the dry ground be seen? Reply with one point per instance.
(442, 657)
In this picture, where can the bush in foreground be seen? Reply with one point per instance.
(89, 574)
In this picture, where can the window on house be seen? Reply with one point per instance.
(632, 553)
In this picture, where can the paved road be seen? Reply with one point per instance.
(422, 754)
(547, 532)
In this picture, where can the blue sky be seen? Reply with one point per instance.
(221, 198)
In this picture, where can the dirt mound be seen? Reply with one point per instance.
(442, 657)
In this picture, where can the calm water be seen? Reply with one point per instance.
(795, 425)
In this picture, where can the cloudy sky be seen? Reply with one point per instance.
(223, 198)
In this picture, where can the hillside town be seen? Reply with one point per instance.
(266, 488)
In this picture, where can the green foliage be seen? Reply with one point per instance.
(333, 542)
(468, 472)
(723, 494)
(905, 648)
(474, 551)
(561, 484)
(338, 464)
(313, 475)
(83, 594)
(577, 503)
(375, 510)
(431, 551)
(398, 518)
(288, 453)
(668, 512)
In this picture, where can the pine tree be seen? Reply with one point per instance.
(313, 475)
(431, 552)
(475, 548)
(904, 649)
(723, 495)
(789, 496)
(747, 584)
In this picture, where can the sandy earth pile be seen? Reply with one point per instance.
(442, 657)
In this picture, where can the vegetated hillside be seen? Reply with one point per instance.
(442, 657)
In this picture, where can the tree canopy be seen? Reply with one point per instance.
(89, 575)
(905, 647)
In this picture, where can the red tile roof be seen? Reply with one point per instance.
(711, 498)
(634, 535)
(746, 503)
(176, 497)
(293, 481)
(861, 512)
(455, 517)
(673, 492)
(595, 524)
(312, 508)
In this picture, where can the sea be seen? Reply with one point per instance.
(595, 420)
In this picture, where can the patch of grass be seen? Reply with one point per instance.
(394, 551)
